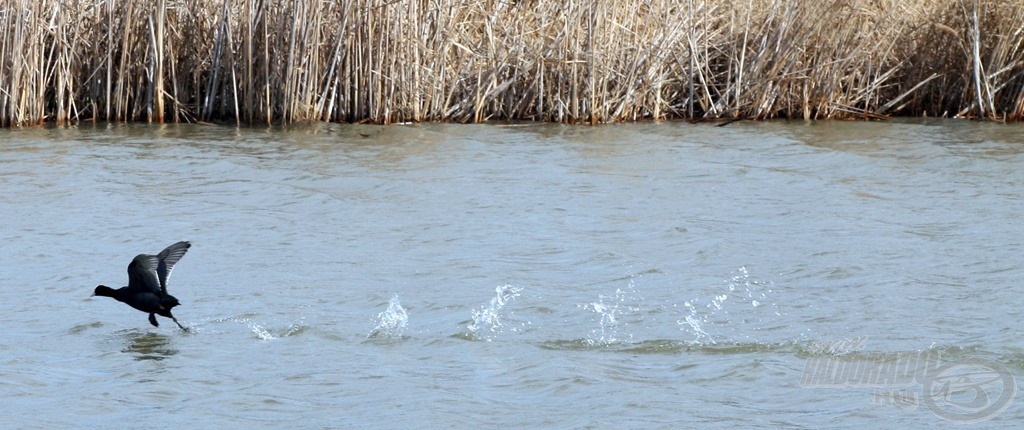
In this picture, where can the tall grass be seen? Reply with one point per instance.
(385, 61)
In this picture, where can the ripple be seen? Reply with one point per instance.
(656, 346)
(80, 328)
(667, 346)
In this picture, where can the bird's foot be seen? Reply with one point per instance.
(186, 329)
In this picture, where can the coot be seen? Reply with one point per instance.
(147, 284)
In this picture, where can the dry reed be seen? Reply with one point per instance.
(386, 61)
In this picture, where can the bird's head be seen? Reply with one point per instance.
(104, 291)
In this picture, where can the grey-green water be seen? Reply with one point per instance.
(536, 276)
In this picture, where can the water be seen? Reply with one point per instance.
(391, 322)
(434, 276)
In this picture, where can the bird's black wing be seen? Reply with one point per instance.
(166, 260)
(142, 274)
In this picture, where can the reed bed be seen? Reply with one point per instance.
(386, 61)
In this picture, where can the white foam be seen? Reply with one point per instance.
(488, 320)
(392, 322)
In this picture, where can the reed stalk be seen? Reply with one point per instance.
(599, 61)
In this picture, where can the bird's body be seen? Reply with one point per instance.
(147, 283)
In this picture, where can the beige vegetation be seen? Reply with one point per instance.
(386, 61)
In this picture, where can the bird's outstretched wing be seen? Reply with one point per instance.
(166, 260)
(142, 274)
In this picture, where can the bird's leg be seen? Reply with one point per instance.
(178, 323)
(152, 320)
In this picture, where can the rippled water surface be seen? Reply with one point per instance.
(434, 276)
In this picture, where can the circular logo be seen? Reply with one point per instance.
(969, 390)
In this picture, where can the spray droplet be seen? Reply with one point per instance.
(392, 322)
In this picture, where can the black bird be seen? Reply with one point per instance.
(147, 284)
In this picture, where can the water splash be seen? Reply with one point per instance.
(260, 332)
(270, 334)
(609, 316)
(392, 322)
(702, 337)
(488, 321)
(710, 321)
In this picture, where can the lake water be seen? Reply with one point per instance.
(517, 276)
